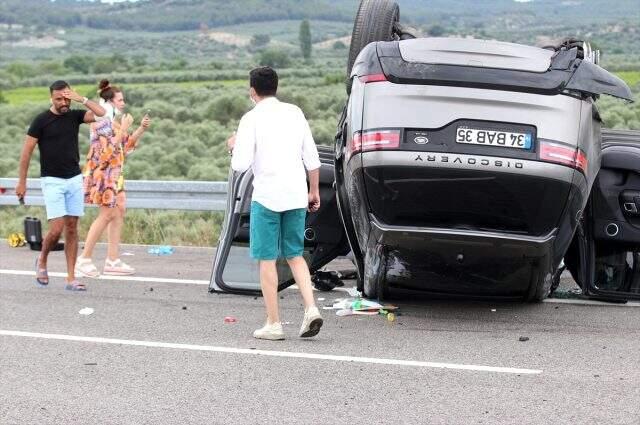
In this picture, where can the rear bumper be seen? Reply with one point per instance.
(462, 262)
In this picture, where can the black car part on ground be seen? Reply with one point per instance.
(326, 280)
(567, 74)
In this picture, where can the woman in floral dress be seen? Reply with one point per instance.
(104, 181)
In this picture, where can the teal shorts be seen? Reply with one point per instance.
(275, 234)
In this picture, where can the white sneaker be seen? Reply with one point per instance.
(117, 268)
(85, 268)
(271, 331)
(311, 323)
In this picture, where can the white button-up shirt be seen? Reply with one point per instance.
(275, 140)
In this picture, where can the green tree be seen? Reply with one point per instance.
(305, 39)
(2, 98)
(274, 58)
(139, 61)
(339, 45)
(78, 63)
(260, 40)
(21, 70)
(104, 65)
(51, 68)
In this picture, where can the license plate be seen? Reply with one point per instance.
(503, 139)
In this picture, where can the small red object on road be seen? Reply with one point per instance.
(230, 319)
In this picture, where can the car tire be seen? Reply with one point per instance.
(375, 21)
(374, 285)
(542, 288)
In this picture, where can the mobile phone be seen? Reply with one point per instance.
(148, 113)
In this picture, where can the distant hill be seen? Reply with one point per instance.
(168, 15)
(172, 15)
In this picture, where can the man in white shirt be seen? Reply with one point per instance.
(274, 139)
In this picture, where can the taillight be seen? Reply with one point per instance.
(565, 155)
(374, 140)
(373, 78)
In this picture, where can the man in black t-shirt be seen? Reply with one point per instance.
(55, 131)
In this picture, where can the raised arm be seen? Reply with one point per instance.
(95, 110)
(132, 140)
(25, 157)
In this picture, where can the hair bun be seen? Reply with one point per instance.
(104, 85)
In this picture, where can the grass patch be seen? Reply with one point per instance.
(149, 227)
(630, 77)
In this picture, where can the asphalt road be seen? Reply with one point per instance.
(158, 351)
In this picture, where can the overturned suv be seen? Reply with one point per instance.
(468, 167)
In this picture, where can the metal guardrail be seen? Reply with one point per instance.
(165, 195)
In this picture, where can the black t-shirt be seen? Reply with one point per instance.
(58, 142)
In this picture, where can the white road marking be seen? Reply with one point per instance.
(103, 277)
(269, 353)
(352, 291)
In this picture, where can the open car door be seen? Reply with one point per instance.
(604, 258)
(233, 269)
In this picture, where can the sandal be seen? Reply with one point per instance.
(42, 277)
(85, 268)
(75, 286)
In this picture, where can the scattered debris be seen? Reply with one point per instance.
(493, 310)
(151, 289)
(16, 240)
(349, 275)
(161, 250)
(184, 307)
(352, 291)
(348, 312)
(523, 339)
(91, 364)
(321, 299)
(128, 254)
(230, 319)
(391, 317)
(573, 293)
(361, 307)
(86, 311)
(326, 280)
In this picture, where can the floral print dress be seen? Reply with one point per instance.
(103, 172)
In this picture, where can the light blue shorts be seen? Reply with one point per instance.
(63, 196)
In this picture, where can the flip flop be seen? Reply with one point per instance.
(41, 275)
(75, 286)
